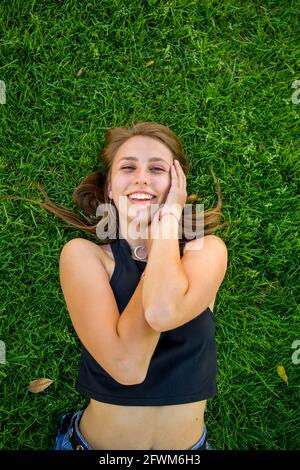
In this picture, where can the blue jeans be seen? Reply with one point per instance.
(64, 434)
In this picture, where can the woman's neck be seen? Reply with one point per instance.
(138, 246)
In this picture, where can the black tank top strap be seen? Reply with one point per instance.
(181, 247)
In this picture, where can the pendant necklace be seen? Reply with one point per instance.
(136, 250)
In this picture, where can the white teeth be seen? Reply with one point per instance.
(140, 196)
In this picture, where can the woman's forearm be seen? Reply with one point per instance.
(165, 280)
(138, 339)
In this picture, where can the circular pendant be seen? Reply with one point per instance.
(136, 250)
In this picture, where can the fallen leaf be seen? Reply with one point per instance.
(151, 62)
(38, 385)
(282, 373)
(79, 73)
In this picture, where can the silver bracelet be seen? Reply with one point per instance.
(170, 213)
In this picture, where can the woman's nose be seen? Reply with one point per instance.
(142, 177)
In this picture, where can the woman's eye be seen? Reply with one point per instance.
(132, 168)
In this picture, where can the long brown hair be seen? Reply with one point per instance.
(93, 190)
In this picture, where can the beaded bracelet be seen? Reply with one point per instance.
(170, 213)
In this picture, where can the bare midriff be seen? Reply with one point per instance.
(113, 427)
(106, 426)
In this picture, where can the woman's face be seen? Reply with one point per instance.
(141, 165)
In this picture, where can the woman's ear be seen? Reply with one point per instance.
(109, 191)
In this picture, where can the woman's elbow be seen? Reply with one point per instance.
(157, 319)
(131, 380)
(130, 376)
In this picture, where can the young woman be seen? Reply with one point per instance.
(141, 306)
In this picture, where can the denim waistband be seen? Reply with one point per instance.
(76, 438)
(201, 444)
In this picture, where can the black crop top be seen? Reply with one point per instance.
(183, 366)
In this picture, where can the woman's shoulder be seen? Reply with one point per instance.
(198, 242)
(99, 250)
(102, 252)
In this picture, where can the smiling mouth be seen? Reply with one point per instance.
(142, 202)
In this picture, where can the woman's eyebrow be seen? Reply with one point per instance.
(152, 159)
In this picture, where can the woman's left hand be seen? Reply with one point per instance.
(174, 203)
(177, 196)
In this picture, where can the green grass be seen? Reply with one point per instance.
(221, 78)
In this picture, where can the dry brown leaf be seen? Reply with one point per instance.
(38, 385)
(79, 73)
